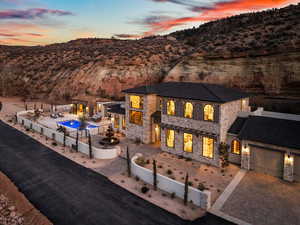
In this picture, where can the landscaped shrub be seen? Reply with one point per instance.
(54, 143)
(190, 183)
(201, 187)
(141, 161)
(137, 141)
(169, 172)
(173, 195)
(144, 189)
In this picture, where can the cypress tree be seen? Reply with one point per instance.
(77, 139)
(154, 175)
(186, 189)
(90, 146)
(128, 162)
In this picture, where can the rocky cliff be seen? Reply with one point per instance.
(258, 52)
(277, 73)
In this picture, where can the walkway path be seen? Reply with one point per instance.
(216, 208)
(68, 193)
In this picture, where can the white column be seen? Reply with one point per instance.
(288, 171)
(245, 157)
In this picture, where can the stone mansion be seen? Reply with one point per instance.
(189, 119)
(192, 119)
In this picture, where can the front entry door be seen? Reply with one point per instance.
(157, 133)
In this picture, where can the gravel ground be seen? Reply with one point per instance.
(8, 213)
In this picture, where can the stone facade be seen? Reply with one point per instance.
(229, 112)
(143, 132)
(224, 116)
(197, 148)
(233, 158)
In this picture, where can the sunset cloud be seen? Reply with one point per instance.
(31, 13)
(208, 12)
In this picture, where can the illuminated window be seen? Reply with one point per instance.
(116, 121)
(236, 147)
(171, 108)
(188, 110)
(136, 102)
(136, 117)
(208, 147)
(208, 113)
(187, 142)
(123, 123)
(170, 138)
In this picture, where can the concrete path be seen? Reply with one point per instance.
(216, 208)
(68, 193)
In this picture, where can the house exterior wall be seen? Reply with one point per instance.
(288, 162)
(197, 148)
(233, 158)
(228, 114)
(144, 132)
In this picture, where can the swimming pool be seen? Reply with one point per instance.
(75, 124)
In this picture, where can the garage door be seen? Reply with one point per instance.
(297, 168)
(267, 161)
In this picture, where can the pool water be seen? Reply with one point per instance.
(75, 124)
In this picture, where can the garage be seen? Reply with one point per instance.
(267, 161)
(297, 168)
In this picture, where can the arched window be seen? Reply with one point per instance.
(188, 110)
(208, 112)
(171, 108)
(236, 147)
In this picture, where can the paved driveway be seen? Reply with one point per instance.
(264, 200)
(69, 194)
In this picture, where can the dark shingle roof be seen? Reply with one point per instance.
(193, 91)
(274, 131)
(117, 109)
(237, 125)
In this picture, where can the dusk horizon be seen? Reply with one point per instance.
(35, 23)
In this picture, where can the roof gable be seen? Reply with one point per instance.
(193, 91)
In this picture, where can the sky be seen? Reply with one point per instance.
(41, 22)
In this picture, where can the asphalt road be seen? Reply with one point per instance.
(69, 194)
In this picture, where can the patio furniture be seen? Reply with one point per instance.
(54, 116)
(60, 114)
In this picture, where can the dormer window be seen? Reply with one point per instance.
(136, 102)
(188, 110)
(171, 108)
(208, 113)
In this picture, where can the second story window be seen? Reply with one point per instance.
(208, 113)
(136, 102)
(188, 110)
(171, 108)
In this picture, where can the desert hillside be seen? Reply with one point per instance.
(258, 52)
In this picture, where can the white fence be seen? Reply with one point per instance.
(199, 198)
(70, 142)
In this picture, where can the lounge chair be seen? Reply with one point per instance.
(60, 114)
(54, 116)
